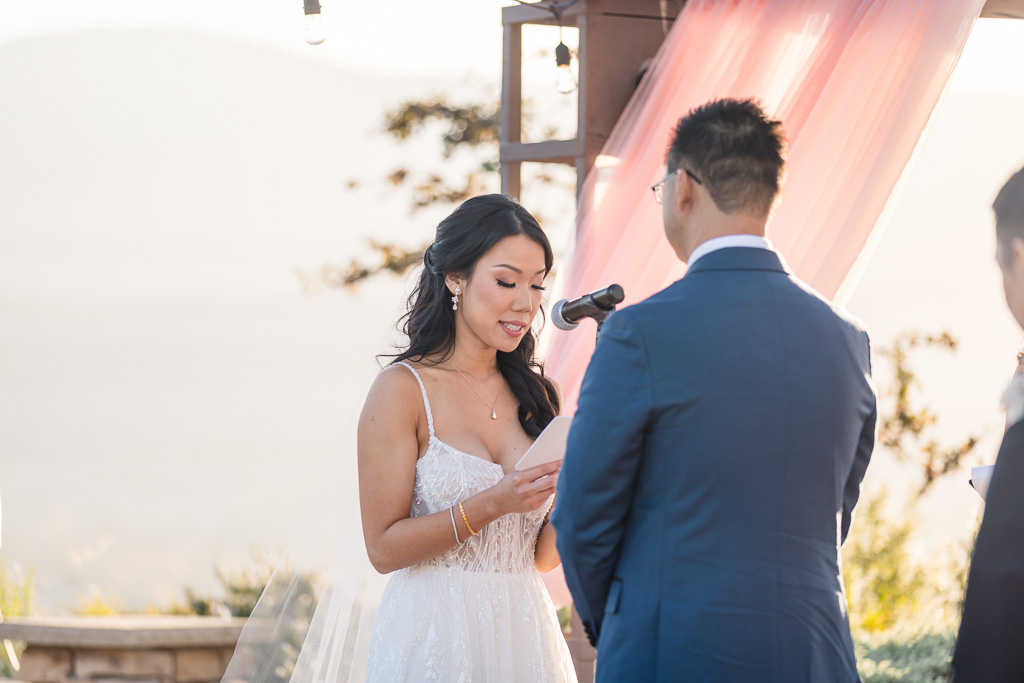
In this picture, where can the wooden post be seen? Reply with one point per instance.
(511, 117)
(616, 37)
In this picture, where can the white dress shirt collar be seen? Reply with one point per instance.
(716, 243)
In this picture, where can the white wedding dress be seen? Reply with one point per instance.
(479, 612)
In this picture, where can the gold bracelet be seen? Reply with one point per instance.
(466, 520)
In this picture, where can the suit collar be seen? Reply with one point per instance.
(723, 241)
(740, 258)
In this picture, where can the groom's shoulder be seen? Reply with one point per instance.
(826, 306)
(653, 309)
(653, 305)
(651, 315)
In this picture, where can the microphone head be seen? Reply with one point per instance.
(560, 322)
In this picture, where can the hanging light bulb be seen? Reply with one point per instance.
(565, 81)
(314, 28)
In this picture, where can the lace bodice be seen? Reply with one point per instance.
(478, 613)
(445, 476)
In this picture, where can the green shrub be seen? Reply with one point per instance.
(16, 593)
(905, 654)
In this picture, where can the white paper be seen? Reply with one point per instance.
(980, 478)
(549, 446)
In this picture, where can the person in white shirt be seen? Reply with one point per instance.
(988, 646)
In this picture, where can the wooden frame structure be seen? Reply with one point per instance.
(607, 77)
(1003, 9)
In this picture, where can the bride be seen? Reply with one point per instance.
(463, 534)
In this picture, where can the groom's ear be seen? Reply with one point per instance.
(1013, 258)
(685, 190)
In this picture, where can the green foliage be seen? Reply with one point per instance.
(16, 591)
(293, 597)
(471, 125)
(95, 603)
(565, 618)
(463, 126)
(907, 655)
(16, 594)
(906, 430)
(882, 584)
(241, 587)
(393, 259)
(903, 615)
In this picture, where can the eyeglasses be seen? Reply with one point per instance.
(659, 187)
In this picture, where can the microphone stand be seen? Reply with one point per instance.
(600, 318)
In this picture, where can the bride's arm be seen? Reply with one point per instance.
(546, 556)
(388, 447)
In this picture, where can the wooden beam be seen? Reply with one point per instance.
(512, 179)
(510, 121)
(528, 14)
(607, 77)
(1006, 9)
(550, 151)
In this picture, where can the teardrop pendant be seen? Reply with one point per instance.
(494, 415)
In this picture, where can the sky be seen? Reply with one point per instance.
(410, 38)
(169, 396)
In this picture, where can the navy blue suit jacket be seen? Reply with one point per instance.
(989, 645)
(723, 429)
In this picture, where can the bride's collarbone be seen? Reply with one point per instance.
(462, 419)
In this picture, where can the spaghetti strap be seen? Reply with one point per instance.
(426, 402)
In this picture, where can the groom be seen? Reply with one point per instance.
(724, 426)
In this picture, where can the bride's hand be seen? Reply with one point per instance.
(527, 490)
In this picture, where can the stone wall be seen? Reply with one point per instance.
(159, 649)
(124, 649)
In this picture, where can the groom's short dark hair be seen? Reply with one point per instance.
(735, 150)
(1009, 208)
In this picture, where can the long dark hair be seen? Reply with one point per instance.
(429, 323)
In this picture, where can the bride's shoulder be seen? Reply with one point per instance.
(394, 398)
(394, 382)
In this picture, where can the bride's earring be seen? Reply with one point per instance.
(455, 299)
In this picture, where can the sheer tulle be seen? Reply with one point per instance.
(312, 622)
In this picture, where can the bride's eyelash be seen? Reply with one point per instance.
(510, 285)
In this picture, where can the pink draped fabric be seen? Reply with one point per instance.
(854, 83)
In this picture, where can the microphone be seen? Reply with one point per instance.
(566, 314)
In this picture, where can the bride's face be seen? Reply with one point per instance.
(500, 300)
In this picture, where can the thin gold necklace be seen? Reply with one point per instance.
(494, 415)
